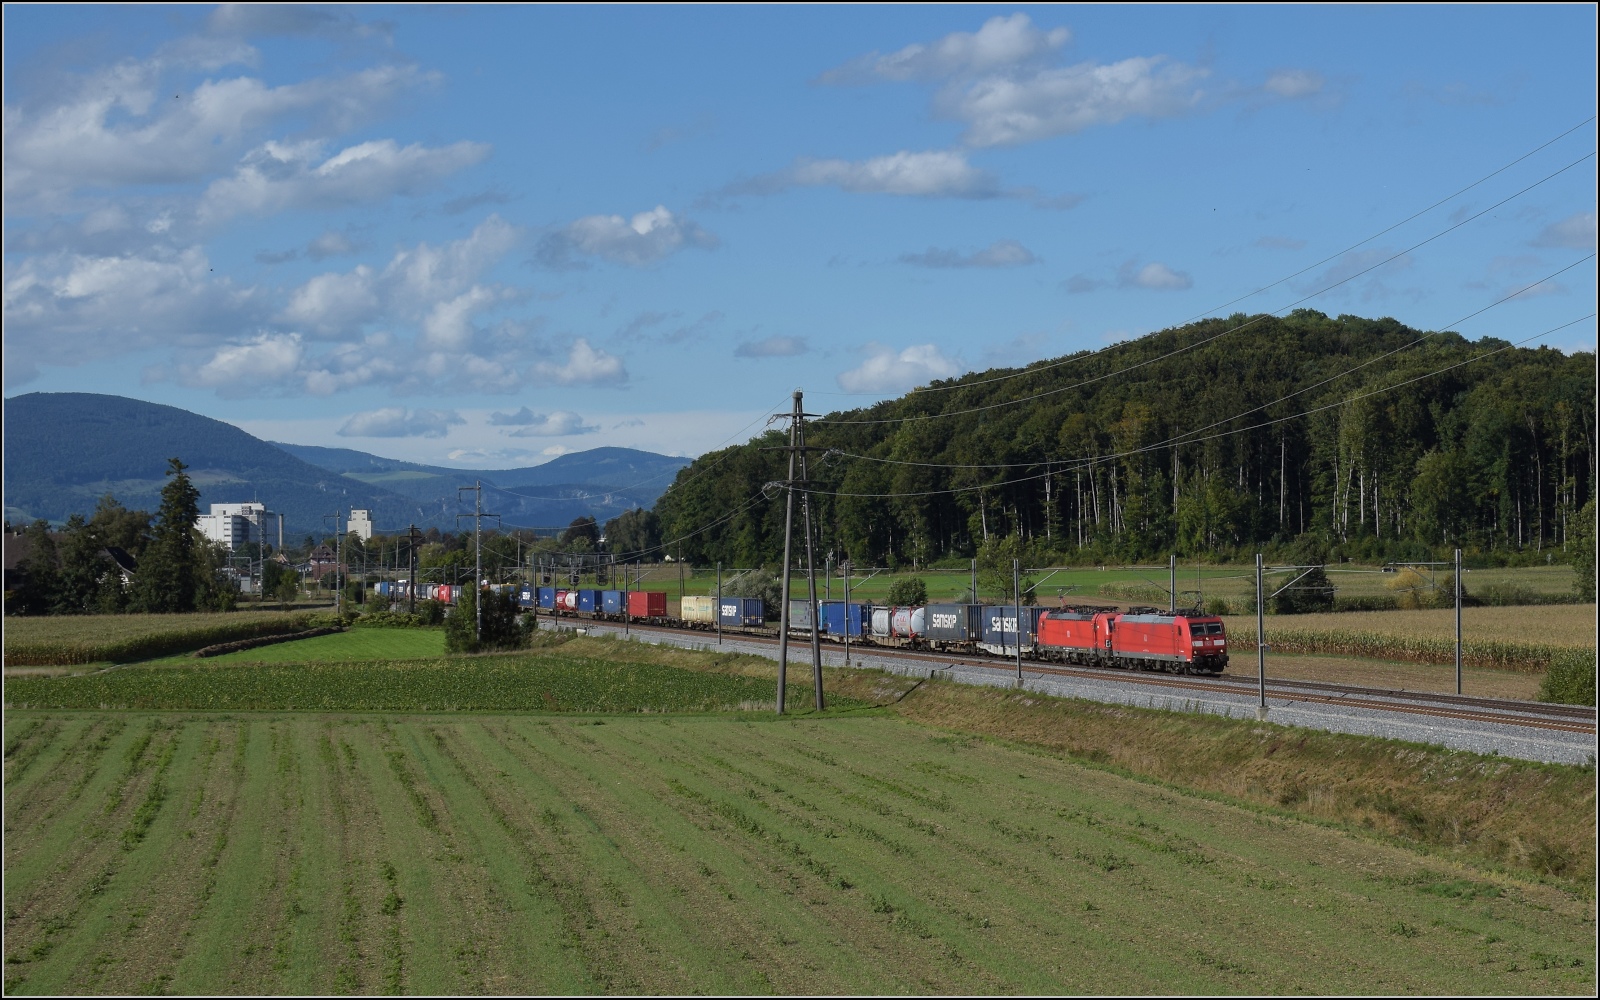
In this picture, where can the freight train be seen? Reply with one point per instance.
(1185, 642)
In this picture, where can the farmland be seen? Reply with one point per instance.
(1554, 625)
(1234, 584)
(79, 639)
(314, 853)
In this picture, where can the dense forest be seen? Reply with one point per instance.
(1338, 438)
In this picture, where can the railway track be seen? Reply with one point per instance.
(1464, 708)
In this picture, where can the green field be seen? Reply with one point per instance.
(77, 639)
(357, 644)
(308, 853)
(601, 816)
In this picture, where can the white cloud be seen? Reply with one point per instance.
(585, 366)
(331, 244)
(997, 82)
(336, 303)
(266, 358)
(930, 174)
(1002, 253)
(561, 423)
(1007, 111)
(436, 287)
(1155, 276)
(448, 326)
(1002, 42)
(260, 19)
(884, 370)
(772, 347)
(120, 126)
(646, 238)
(1294, 83)
(65, 309)
(1575, 232)
(280, 175)
(394, 421)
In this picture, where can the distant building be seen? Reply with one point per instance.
(323, 560)
(233, 524)
(361, 524)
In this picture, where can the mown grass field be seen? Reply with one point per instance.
(352, 646)
(601, 816)
(310, 853)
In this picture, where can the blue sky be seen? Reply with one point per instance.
(488, 236)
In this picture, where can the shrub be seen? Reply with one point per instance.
(1570, 680)
(499, 625)
(909, 592)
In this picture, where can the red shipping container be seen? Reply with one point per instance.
(647, 603)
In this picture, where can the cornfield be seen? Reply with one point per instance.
(1525, 657)
(74, 639)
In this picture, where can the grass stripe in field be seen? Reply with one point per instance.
(547, 682)
(831, 854)
(352, 646)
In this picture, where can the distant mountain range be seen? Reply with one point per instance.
(63, 451)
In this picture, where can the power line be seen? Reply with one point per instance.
(1179, 439)
(646, 482)
(1263, 288)
(1245, 325)
(1086, 462)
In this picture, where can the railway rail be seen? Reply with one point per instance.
(1574, 719)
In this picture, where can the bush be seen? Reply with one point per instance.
(431, 612)
(391, 619)
(1308, 595)
(500, 628)
(762, 584)
(908, 593)
(1583, 553)
(1570, 680)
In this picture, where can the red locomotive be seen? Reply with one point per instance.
(1140, 639)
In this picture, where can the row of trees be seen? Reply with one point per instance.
(1365, 437)
(70, 572)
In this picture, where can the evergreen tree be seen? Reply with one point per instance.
(83, 566)
(39, 574)
(168, 578)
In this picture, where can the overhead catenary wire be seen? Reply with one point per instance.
(1180, 438)
(1215, 337)
(1267, 287)
(1087, 462)
(765, 415)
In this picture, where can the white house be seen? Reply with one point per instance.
(360, 523)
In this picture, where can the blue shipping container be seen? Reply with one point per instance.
(741, 612)
(547, 598)
(1000, 624)
(611, 601)
(954, 622)
(837, 617)
(527, 597)
(589, 600)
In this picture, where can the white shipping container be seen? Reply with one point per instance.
(699, 609)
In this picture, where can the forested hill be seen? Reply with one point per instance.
(1170, 443)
